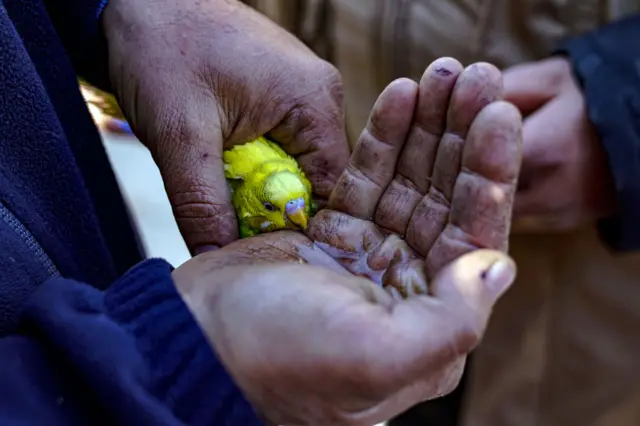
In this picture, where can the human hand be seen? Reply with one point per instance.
(310, 346)
(565, 181)
(336, 349)
(434, 173)
(195, 77)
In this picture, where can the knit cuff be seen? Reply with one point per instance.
(186, 374)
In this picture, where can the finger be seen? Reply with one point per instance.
(543, 131)
(188, 152)
(470, 286)
(404, 278)
(483, 196)
(531, 85)
(477, 86)
(360, 247)
(373, 161)
(422, 336)
(418, 155)
(404, 274)
(315, 134)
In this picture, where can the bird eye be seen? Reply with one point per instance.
(270, 207)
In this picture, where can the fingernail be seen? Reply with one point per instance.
(204, 249)
(500, 276)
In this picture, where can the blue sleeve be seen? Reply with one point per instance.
(78, 24)
(132, 355)
(606, 64)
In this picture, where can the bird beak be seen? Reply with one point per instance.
(298, 217)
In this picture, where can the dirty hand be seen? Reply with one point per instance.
(565, 181)
(333, 348)
(194, 77)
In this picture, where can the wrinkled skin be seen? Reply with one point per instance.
(194, 77)
(566, 182)
(308, 342)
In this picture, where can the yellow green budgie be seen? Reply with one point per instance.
(269, 190)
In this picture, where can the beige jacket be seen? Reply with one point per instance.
(563, 347)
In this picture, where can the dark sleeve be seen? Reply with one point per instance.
(78, 25)
(132, 355)
(607, 66)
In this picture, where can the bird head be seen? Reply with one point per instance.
(286, 200)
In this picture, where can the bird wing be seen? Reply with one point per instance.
(241, 160)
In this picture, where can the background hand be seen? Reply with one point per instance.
(195, 77)
(565, 179)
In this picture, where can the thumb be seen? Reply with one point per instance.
(188, 152)
(471, 285)
(531, 85)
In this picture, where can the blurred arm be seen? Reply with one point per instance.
(606, 63)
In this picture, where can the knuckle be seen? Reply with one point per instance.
(314, 108)
(438, 197)
(322, 178)
(202, 217)
(560, 73)
(198, 201)
(300, 119)
(326, 86)
(334, 84)
(331, 74)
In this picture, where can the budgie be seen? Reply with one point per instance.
(269, 190)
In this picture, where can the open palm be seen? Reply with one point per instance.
(432, 177)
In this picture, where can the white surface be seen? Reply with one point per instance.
(142, 187)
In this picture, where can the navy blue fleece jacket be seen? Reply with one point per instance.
(89, 333)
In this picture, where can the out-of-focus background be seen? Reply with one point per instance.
(140, 183)
(142, 187)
